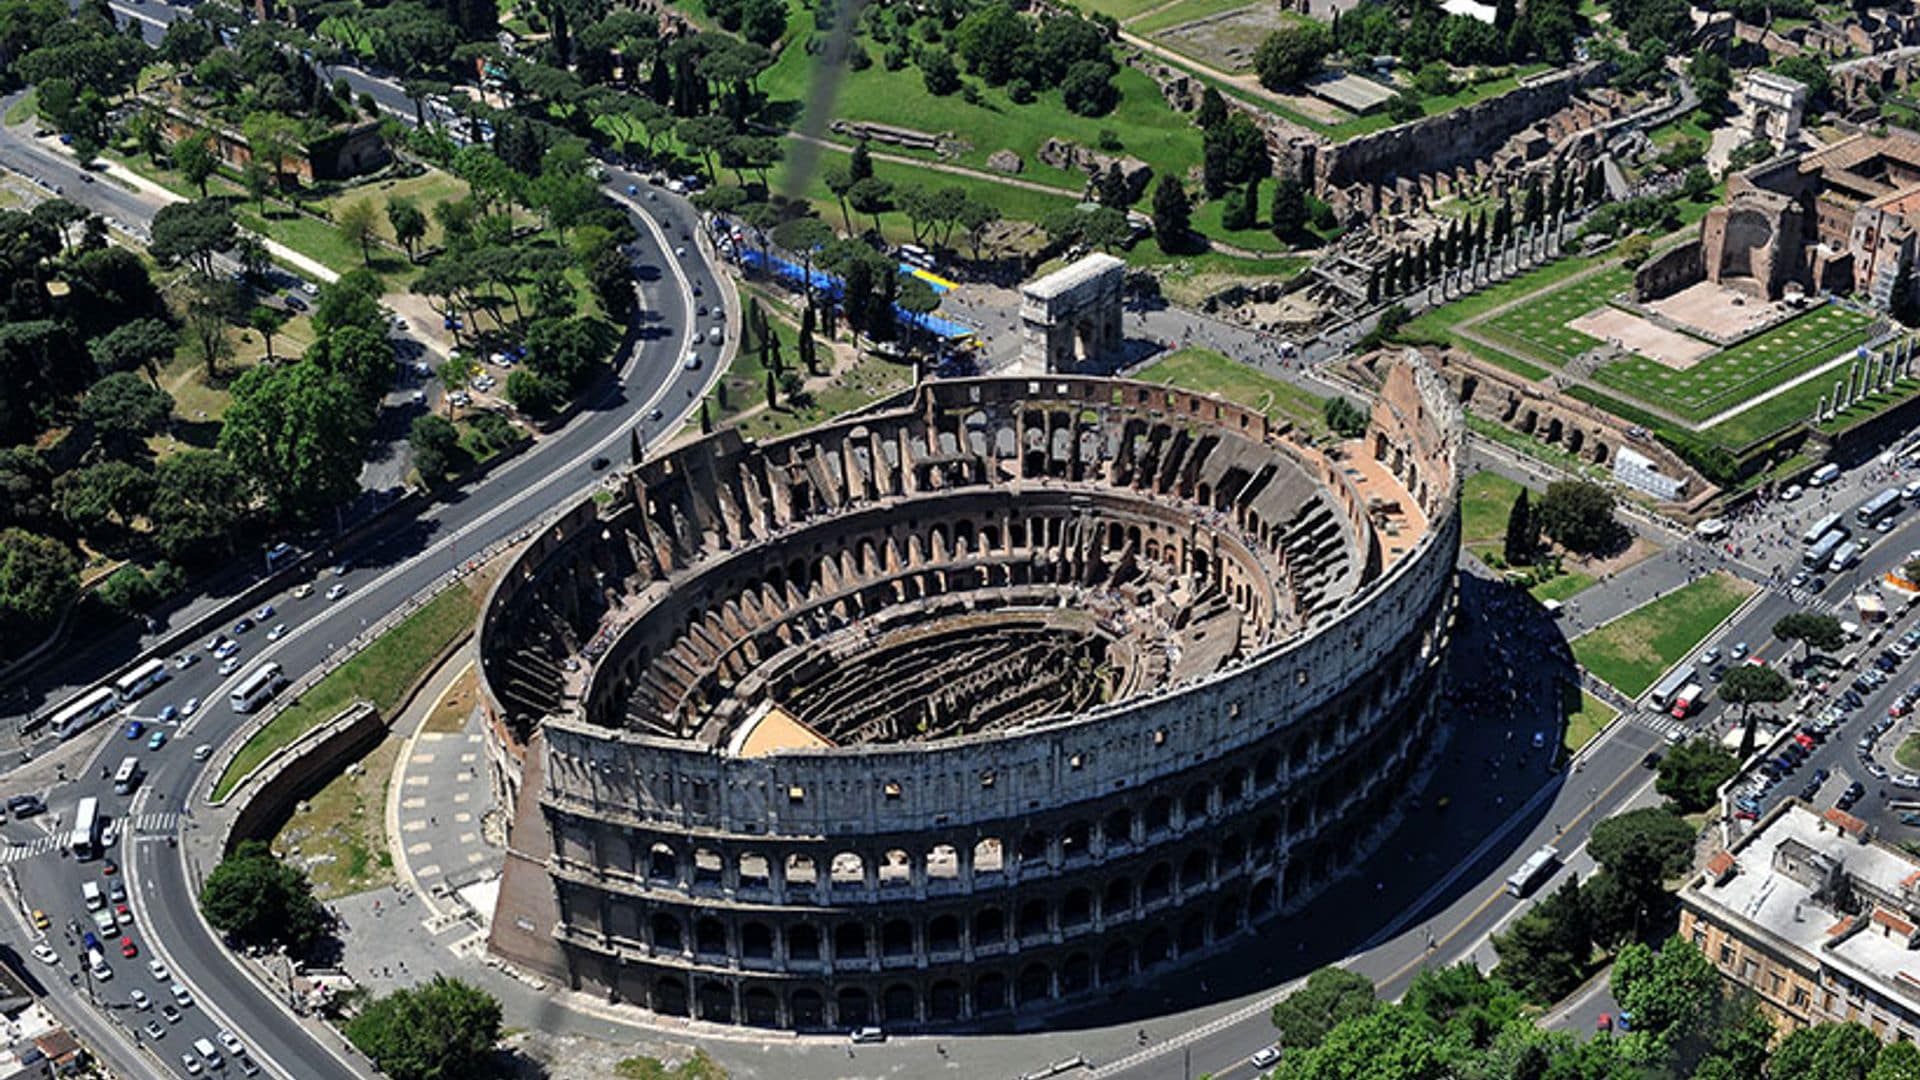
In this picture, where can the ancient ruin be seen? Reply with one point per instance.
(1070, 319)
(995, 695)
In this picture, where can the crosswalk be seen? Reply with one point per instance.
(166, 822)
(152, 824)
(13, 853)
(1661, 722)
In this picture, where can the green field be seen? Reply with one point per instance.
(379, 673)
(1183, 11)
(1754, 365)
(1585, 716)
(1205, 371)
(1632, 651)
(1539, 327)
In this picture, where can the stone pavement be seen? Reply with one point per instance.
(445, 805)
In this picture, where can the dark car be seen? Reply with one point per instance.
(242, 626)
(26, 805)
(1719, 672)
(294, 302)
(600, 463)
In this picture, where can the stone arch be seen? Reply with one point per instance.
(943, 1001)
(1263, 899)
(759, 1006)
(669, 997)
(896, 869)
(801, 870)
(1077, 909)
(943, 934)
(988, 857)
(1158, 884)
(710, 937)
(899, 1004)
(989, 993)
(1033, 920)
(855, 1006)
(1156, 948)
(1036, 984)
(807, 1009)
(1118, 828)
(989, 926)
(1116, 963)
(848, 870)
(662, 863)
(756, 941)
(715, 1002)
(1193, 869)
(803, 942)
(707, 865)
(1117, 901)
(1076, 839)
(754, 870)
(896, 938)
(942, 863)
(1076, 974)
(666, 932)
(850, 941)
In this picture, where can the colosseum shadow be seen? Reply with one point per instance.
(999, 698)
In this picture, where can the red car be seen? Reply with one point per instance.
(127, 948)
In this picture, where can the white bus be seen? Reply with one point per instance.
(1878, 507)
(253, 692)
(1844, 558)
(1538, 865)
(81, 712)
(1822, 527)
(1662, 694)
(1820, 554)
(141, 679)
(86, 829)
(127, 776)
(1824, 475)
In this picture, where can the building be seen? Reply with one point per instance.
(997, 694)
(346, 151)
(1840, 219)
(1817, 917)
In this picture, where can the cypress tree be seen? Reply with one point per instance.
(772, 397)
(1521, 531)
(706, 418)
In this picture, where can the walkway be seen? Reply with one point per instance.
(278, 250)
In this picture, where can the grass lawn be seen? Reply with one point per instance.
(1566, 585)
(1205, 371)
(1871, 405)
(1024, 204)
(1632, 651)
(1183, 11)
(1585, 716)
(1206, 220)
(379, 673)
(1434, 106)
(1539, 327)
(426, 190)
(1452, 314)
(24, 109)
(1486, 498)
(1907, 756)
(340, 831)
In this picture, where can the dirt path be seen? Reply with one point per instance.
(938, 166)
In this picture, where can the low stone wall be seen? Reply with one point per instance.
(268, 795)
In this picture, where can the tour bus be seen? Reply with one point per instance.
(1822, 527)
(1878, 507)
(1824, 475)
(1662, 694)
(915, 255)
(1686, 699)
(127, 776)
(141, 679)
(265, 681)
(85, 840)
(1848, 554)
(84, 710)
(1821, 553)
(1538, 866)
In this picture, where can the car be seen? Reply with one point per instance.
(293, 302)
(117, 892)
(230, 665)
(232, 1042)
(123, 913)
(1652, 760)
(172, 1014)
(1719, 672)
(202, 752)
(680, 252)
(692, 363)
(191, 1064)
(1793, 491)
(168, 715)
(265, 613)
(1266, 1057)
(1876, 770)
(303, 590)
(213, 643)
(598, 463)
(245, 624)
(159, 971)
(45, 954)
(1539, 740)
(185, 660)
(868, 1034)
(247, 1067)
(110, 868)
(340, 569)
(128, 949)
(225, 649)
(157, 740)
(1711, 656)
(40, 920)
(26, 805)
(336, 592)
(1739, 650)
(1800, 577)
(101, 970)
(180, 996)
(191, 706)
(310, 288)
(134, 728)
(655, 414)
(140, 999)
(279, 631)
(154, 1030)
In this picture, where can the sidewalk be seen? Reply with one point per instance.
(279, 251)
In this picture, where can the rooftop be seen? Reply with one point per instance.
(1072, 275)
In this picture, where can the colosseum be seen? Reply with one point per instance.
(991, 696)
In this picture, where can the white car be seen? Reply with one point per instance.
(140, 999)
(692, 364)
(303, 590)
(200, 753)
(336, 592)
(232, 1042)
(279, 631)
(159, 971)
(680, 252)
(230, 665)
(185, 660)
(192, 705)
(1265, 1058)
(191, 1064)
(226, 649)
(45, 954)
(180, 996)
(310, 288)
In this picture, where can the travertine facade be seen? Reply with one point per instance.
(990, 696)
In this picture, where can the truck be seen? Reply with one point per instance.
(1686, 699)
(1871, 607)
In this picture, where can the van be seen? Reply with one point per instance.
(1824, 475)
(97, 963)
(208, 1053)
(90, 892)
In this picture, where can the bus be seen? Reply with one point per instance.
(85, 840)
(1820, 554)
(80, 713)
(1848, 554)
(141, 679)
(253, 692)
(1880, 506)
(1686, 699)
(1662, 693)
(916, 256)
(1822, 527)
(1824, 475)
(1538, 866)
(127, 776)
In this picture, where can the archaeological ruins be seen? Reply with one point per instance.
(997, 695)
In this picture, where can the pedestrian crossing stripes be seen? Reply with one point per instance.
(1664, 723)
(157, 822)
(16, 852)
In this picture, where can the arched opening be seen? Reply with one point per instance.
(896, 871)
(1076, 974)
(1156, 949)
(1194, 804)
(943, 934)
(849, 871)
(756, 941)
(706, 869)
(809, 1009)
(1158, 885)
(989, 927)
(669, 997)
(1262, 901)
(1118, 829)
(899, 1004)
(987, 858)
(1193, 870)
(1036, 984)
(1117, 902)
(1075, 840)
(1116, 963)
(710, 937)
(1033, 919)
(662, 864)
(1159, 815)
(896, 938)
(989, 993)
(759, 1007)
(1193, 932)
(1033, 850)
(943, 863)
(855, 1007)
(716, 1002)
(755, 872)
(801, 870)
(666, 933)
(1077, 910)
(943, 1001)
(803, 942)
(850, 941)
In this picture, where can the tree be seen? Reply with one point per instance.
(362, 355)
(1671, 993)
(1212, 110)
(299, 432)
(1543, 953)
(938, 71)
(990, 40)
(1815, 631)
(1578, 514)
(1826, 1052)
(272, 140)
(192, 233)
(358, 224)
(1643, 849)
(1172, 214)
(455, 373)
(1693, 771)
(1809, 70)
(1236, 211)
(435, 446)
(446, 1028)
(102, 500)
(38, 577)
(1523, 531)
(1344, 417)
(254, 898)
(136, 344)
(266, 321)
(408, 223)
(1290, 54)
(1330, 995)
(1289, 209)
(1898, 1061)
(124, 410)
(1748, 685)
(1088, 90)
(194, 156)
(200, 499)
